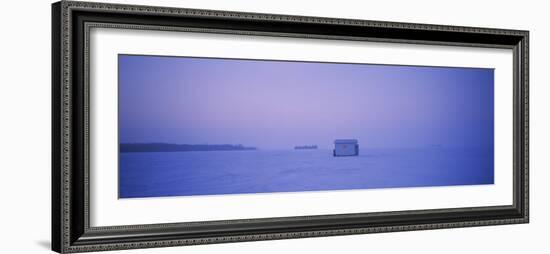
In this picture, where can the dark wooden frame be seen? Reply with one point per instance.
(71, 22)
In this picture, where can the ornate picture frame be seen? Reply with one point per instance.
(71, 206)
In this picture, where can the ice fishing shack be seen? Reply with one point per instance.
(346, 147)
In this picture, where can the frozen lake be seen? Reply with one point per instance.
(159, 174)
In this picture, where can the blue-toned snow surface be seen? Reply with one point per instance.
(160, 174)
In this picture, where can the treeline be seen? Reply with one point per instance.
(165, 147)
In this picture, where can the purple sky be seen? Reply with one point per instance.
(277, 104)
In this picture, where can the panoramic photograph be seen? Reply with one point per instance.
(217, 126)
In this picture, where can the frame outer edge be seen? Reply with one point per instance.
(66, 120)
(56, 126)
(189, 12)
(526, 133)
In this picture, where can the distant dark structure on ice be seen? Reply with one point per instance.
(164, 147)
(346, 147)
(306, 147)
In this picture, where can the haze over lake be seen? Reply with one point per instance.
(414, 126)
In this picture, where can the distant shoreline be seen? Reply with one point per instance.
(305, 147)
(166, 147)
